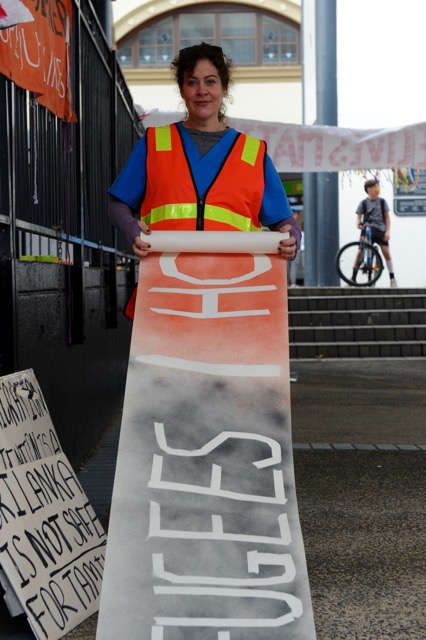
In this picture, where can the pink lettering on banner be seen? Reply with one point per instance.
(304, 138)
(338, 157)
(391, 150)
(375, 149)
(297, 148)
(286, 148)
(406, 159)
(355, 160)
(267, 133)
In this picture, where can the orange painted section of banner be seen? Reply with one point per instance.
(241, 339)
(36, 55)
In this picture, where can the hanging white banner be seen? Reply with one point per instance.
(296, 148)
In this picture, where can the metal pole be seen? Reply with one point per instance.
(310, 219)
(103, 11)
(327, 183)
(310, 229)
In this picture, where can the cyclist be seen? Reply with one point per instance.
(375, 211)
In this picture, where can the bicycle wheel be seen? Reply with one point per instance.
(369, 271)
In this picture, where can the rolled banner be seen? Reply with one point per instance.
(214, 241)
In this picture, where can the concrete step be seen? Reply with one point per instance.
(361, 333)
(357, 323)
(367, 317)
(355, 302)
(353, 291)
(319, 350)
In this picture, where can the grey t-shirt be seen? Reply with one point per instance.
(373, 212)
(205, 140)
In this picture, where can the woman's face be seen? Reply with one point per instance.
(203, 94)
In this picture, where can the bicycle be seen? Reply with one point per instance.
(364, 254)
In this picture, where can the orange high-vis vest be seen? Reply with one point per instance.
(231, 203)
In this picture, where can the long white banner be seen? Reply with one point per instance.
(298, 148)
(204, 534)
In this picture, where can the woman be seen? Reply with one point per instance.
(199, 174)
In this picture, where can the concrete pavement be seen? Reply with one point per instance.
(378, 401)
(359, 428)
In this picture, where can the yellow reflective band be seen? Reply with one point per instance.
(163, 138)
(188, 211)
(146, 219)
(251, 148)
(172, 212)
(235, 220)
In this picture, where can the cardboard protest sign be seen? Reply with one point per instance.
(26, 429)
(52, 546)
(35, 39)
(204, 535)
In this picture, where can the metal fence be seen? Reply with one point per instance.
(62, 281)
(54, 176)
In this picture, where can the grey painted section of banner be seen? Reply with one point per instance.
(202, 410)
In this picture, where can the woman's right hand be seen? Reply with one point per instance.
(141, 248)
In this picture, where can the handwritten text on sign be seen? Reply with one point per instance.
(51, 545)
(26, 428)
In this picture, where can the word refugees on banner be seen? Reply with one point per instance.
(52, 545)
(26, 428)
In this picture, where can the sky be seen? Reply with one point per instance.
(381, 47)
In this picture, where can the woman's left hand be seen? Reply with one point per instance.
(287, 248)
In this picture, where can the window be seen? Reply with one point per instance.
(250, 38)
(201, 24)
(238, 37)
(279, 42)
(155, 44)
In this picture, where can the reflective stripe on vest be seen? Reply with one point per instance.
(189, 212)
(163, 138)
(250, 151)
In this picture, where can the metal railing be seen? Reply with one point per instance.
(54, 175)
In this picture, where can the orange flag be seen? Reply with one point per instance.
(35, 51)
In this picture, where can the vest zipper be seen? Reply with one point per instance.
(200, 213)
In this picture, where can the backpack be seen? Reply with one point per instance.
(364, 208)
